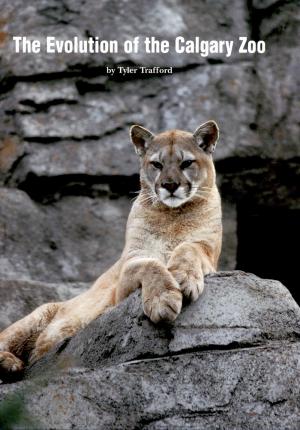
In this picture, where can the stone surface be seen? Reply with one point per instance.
(162, 19)
(250, 388)
(229, 361)
(278, 74)
(19, 298)
(228, 255)
(10, 151)
(203, 93)
(235, 309)
(91, 135)
(74, 239)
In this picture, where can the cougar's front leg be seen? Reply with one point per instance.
(18, 340)
(189, 262)
(162, 298)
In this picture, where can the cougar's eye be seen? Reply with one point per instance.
(185, 164)
(157, 165)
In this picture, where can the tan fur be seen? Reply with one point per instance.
(168, 251)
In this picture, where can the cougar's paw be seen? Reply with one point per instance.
(190, 282)
(9, 364)
(163, 306)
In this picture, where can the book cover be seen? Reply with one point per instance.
(75, 76)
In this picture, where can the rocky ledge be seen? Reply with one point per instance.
(230, 361)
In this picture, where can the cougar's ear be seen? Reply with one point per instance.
(206, 136)
(141, 138)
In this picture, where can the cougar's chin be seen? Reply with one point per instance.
(173, 200)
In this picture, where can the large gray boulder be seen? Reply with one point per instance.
(235, 309)
(230, 360)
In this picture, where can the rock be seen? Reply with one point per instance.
(40, 95)
(250, 183)
(229, 361)
(95, 117)
(19, 298)
(227, 259)
(263, 4)
(74, 239)
(91, 135)
(11, 150)
(277, 72)
(200, 94)
(87, 135)
(160, 19)
(106, 157)
(250, 388)
(235, 309)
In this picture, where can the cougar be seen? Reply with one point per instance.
(173, 239)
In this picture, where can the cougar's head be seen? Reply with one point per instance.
(176, 166)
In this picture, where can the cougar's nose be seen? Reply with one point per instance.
(170, 186)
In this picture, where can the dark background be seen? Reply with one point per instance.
(67, 168)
